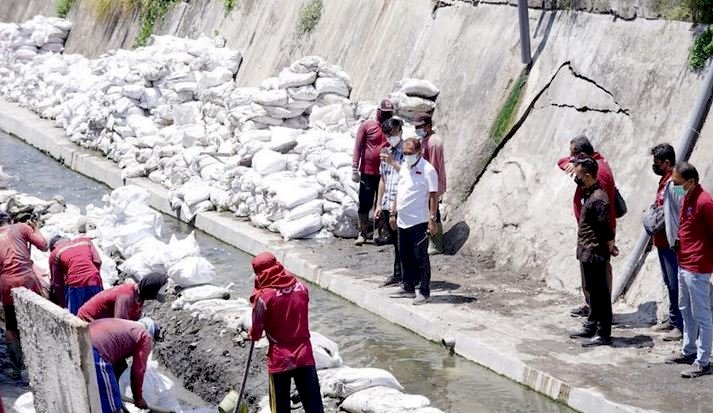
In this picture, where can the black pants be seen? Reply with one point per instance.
(600, 312)
(368, 187)
(307, 384)
(393, 236)
(416, 266)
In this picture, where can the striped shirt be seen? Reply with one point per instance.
(391, 176)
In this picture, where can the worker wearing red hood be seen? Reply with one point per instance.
(280, 310)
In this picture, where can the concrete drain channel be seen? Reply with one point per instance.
(207, 357)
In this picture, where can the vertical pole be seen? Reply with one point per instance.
(524, 32)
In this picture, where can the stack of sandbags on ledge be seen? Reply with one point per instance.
(414, 96)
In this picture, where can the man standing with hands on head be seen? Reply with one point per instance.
(695, 261)
(366, 161)
(433, 153)
(414, 214)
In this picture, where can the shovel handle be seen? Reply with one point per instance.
(152, 408)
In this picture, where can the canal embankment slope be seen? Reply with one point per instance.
(502, 321)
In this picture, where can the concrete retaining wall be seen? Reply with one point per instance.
(58, 354)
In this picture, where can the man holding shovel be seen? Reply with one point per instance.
(280, 310)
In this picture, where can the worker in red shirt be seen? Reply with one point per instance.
(582, 146)
(695, 261)
(280, 310)
(74, 269)
(366, 161)
(16, 271)
(434, 154)
(125, 301)
(114, 340)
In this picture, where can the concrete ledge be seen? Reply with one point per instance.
(58, 354)
(491, 346)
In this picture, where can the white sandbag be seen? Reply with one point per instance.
(383, 400)
(158, 390)
(306, 93)
(308, 208)
(24, 403)
(288, 78)
(142, 264)
(271, 83)
(290, 196)
(148, 244)
(199, 293)
(301, 227)
(329, 70)
(180, 249)
(350, 381)
(417, 87)
(326, 352)
(306, 64)
(192, 271)
(196, 193)
(260, 135)
(411, 103)
(267, 162)
(333, 85)
(271, 98)
(283, 139)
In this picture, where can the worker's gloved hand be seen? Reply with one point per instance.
(141, 404)
(355, 176)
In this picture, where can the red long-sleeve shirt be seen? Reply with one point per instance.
(121, 301)
(15, 262)
(283, 316)
(117, 340)
(74, 263)
(605, 176)
(432, 146)
(695, 232)
(369, 140)
(660, 240)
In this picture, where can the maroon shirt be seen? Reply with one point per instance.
(15, 262)
(118, 302)
(605, 176)
(369, 141)
(283, 315)
(74, 263)
(695, 232)
(660, 239)
(117, 340)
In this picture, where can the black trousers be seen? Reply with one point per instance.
(600, 312)
(307, 383)
(393, 236)
(416, 266)
(368, 187)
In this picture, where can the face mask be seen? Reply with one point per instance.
(657, 169)
(578, 181)
(411, 160)
(421, 133)
(679, 190)
(393, 140)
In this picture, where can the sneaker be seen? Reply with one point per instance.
(361, 239)
(673, 335)
(681, 359)
(583, 333)
(597, 341)
(696, 370)
(402, 293)
(392, 281)
(582, 311)
(421, 299)
(665, 326)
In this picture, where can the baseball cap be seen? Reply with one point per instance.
(386, 106)
(422, 119)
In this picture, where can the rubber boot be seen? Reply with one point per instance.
(363, 227)
(14, 352)
(435, 242)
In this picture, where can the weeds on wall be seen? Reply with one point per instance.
(701, 50)
(229, 5)
(63, 8)
(152, 12)
(507, 113)
(309, 16)
(105, 8)
(701, 10)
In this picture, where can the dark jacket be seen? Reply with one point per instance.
(595, 229)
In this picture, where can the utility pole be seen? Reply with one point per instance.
(524, 32)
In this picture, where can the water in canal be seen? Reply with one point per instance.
(452, 383)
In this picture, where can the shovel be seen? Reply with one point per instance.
(151, 408)
(229, 403)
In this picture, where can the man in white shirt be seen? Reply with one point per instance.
(414, 214)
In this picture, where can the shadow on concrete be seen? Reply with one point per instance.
(455, 238)
(639, 341)
(452, 299)
(644, 316)
(444, 286)
(550, 22)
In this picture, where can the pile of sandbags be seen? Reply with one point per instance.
(24, 41)
(414, 96)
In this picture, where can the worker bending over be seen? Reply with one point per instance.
(74, 268)
(125, 301)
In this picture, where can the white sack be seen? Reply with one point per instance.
(383, 400)
(267, 162)
(326, 352)
(417, 87)
(199, 293)
(158, 390)
(349, 381)
(192, 271)
(301, 227)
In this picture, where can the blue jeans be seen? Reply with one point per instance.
(75, 297)
(669, 270)
(694, 300)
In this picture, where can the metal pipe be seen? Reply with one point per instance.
(683, 152)
(524, 32)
